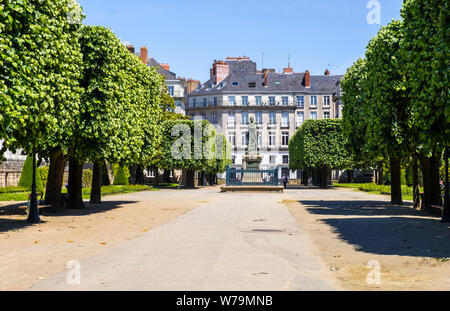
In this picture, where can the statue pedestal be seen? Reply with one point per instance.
(252, 162)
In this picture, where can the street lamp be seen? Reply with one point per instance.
(33, 214)
(446, 212)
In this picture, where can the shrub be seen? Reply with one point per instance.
(43, 171)
(87, 178)
(120, 178)
(26, 177)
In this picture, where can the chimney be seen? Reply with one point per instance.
(288, 70)
(220, 71)
(130, 48)
(144, 55)
(265, 71)
(327, 72)
(307, 79)
(192, 85)
(165, 66)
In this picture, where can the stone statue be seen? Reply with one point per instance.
(252, 139)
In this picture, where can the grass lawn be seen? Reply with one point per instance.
(18, 194)
(407, 192)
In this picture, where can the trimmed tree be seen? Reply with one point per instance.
(388, 132)
(39, 71)
(426, 47)
(26, 178)
(319, 144)
(120, 178)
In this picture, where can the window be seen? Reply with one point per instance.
(244, 118)
(171, 90)
(300, 101)
(233, 159)
(244, 100)
(258, 118)
(232, 138)
(272, 100)
(285, 100)
(313, 101)
(231, 120)
(326, 101)
(204, 102)
(214, 101)
(235, 83)
(277, 82)
(271, 139)
(313, 115)
(150, 173)
(326, 114)
(244, 138)
(203, 116)
(272, 159)
(285, 159)
(258, 100)
(285, 119)
(252, 84)
(214, 118)
(300, 118)
(194, 103)
(232, 100)
(272, 118)
(259, 139)
(285, 138)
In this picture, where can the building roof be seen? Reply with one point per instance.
(242, 73)
(166, 73)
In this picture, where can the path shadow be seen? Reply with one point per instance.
(19, 209)
(380, 228)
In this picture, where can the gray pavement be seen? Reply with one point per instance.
(235, 241)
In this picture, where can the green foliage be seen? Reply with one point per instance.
(86, 179)
(195, 154)
(120, 178)
(387, 129)
(426, 49)
(43, 172)
(319, 143)
(120, 112)
(26, 178)
(39, 71)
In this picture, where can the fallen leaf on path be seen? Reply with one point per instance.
(36, 242)
(69, 241)
(145, 230)
(103, 243)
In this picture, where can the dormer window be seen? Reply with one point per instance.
(235, 83)
(252, 84)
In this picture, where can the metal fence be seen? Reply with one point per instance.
(241, 177)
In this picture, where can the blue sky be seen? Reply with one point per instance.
(189, 35)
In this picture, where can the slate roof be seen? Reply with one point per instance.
(244, 72)
(168, 74)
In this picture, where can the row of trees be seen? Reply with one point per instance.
(74, 93)
(396, 99)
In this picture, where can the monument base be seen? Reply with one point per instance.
(252, 162)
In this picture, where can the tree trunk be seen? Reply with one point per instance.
(190, 178)
(446, 210)
(380, 173)
(396, 183)
(415, 178)
(324, 177)
(349, 176)
(435, 195)
(133, 170)
(75, 184)
(166, 176)
(140, 179)
(96, 189)
(55, 179)
(425, 163)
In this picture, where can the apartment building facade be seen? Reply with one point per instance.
(278, 102)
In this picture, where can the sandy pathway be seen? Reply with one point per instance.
(233, 242)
